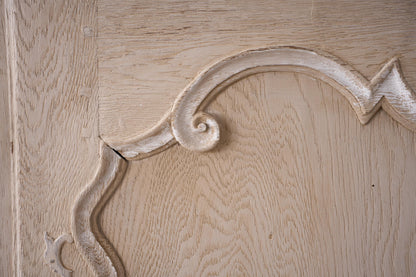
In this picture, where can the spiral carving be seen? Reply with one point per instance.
(199, 131)
(202, 135)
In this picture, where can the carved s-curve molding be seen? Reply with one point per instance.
(196, 130)
(87, 234)
(199, 131)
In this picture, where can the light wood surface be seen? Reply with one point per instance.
(297, 187)
(149, 51)
(89, 238)
(6, 215)
(54, 83)
(197, 130)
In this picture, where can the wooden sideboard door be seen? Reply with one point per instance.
(208, 138)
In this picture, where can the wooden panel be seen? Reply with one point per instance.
(6, 221)
(297, 187)
(150, 50)
(53, 62)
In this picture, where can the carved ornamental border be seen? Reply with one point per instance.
(191, 127)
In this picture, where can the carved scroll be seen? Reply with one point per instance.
(199, 131)
(196, 130)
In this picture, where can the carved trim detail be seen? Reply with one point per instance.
(196, 130)
(89, 239)
(53, 254)
(199, 131)
(153, 141)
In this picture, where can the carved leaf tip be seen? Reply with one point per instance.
(53, 253)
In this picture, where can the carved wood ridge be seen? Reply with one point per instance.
(88, 237)
(53, 253)
(196, 130)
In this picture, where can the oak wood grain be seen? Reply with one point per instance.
(149, 51)
(197, 130)
(90, 241)
(54, 83)
(297, 187)
(6, 196)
